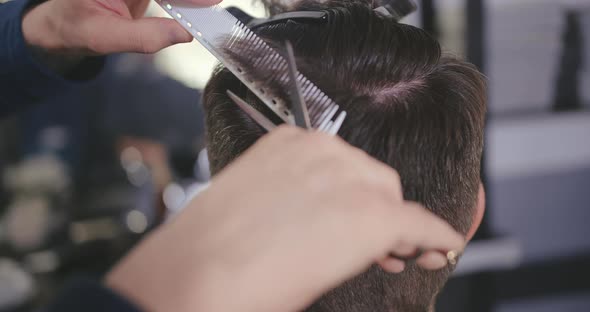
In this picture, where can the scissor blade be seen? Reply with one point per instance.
(252, 112)
(299, 107)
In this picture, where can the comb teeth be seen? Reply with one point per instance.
(219, 31)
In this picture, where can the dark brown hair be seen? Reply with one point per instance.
(409, 106)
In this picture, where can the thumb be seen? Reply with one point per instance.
(145, 35)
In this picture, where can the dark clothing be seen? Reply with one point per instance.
(88, 296)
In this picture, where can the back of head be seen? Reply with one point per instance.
(408, 106)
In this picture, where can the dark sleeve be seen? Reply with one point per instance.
(88, 296)
(22, 79)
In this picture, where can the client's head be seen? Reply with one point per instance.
(408, 106)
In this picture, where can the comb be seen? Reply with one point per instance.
(220, 32)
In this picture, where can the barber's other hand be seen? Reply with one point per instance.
(96, 27)
(296, 215)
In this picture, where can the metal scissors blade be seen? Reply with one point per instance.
(298, 106)
(252, 112)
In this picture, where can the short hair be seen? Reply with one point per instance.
(409, 106)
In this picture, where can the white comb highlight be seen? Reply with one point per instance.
(218, 31)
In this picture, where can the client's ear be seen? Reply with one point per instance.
(480, 208)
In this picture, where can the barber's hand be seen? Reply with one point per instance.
(96, 27)
(296, 215)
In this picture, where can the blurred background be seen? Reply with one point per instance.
(84, 176)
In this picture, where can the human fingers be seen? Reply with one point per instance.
(375, 176)
(146, 35)
(392, 265)
(432, 260)
(276, 145)
(281, 134)
(420, 228)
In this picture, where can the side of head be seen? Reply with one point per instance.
(408, 106)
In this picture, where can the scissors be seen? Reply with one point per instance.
(298, 106)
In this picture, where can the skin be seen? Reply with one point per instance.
(271, 237)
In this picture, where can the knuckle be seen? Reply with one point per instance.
(379, 183)
(318, 138)
(392, 183)
(282, 134)
(383, 215)
(395, 177)
(315, 145)
(286, 130)
(145, 46)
